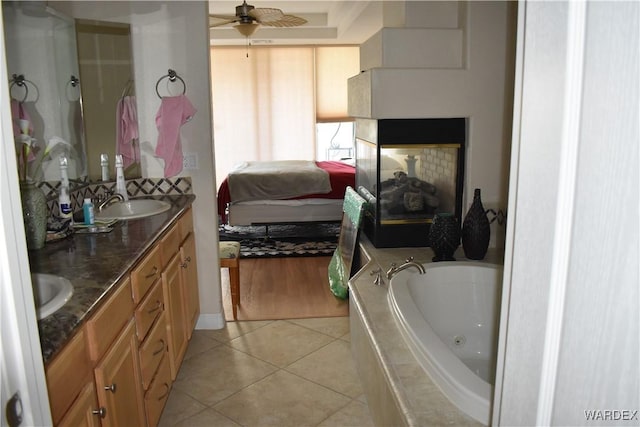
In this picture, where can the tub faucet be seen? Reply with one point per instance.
(409, 262)
(109, 200)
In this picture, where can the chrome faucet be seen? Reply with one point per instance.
(110, 200)
(409, 262)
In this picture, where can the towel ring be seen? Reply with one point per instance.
(172, 75)
(20, 81)
(74, 82)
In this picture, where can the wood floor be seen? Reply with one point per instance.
(283, 288)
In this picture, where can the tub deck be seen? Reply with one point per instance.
(398, 390)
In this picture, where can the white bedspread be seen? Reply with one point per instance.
(280, 179)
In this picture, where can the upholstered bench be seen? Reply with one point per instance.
(229, 253)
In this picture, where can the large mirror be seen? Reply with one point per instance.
(78, 87)
(108, 93)
(45, 93)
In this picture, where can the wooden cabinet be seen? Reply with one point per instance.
(189, 278)
(180, 287)
(67, 374)
(176, 324)
(153, 351)
(85, 412)
(119, 367)
(105, 325)
(118, 382)
(144, 275)
(156, 397)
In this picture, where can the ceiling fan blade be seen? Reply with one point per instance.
(286, 21)
(220, 20)
(266, 14)
(225, 17)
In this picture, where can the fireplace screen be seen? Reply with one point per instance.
(422, 182)
(407, 177)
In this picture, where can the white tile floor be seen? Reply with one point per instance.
(269, 373)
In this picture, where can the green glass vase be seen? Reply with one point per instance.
(34, 212)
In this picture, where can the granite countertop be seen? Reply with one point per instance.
(94, 263)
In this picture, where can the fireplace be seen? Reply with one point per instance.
(408, 170)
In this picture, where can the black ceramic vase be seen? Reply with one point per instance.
(475, 230)
(444, 236)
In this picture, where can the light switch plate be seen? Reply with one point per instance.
(190, 161)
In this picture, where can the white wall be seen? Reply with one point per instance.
(175, 35)
(570, 327)
(477, 86)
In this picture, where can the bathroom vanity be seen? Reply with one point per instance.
(113, 351)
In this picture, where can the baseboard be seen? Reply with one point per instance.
(210, 321)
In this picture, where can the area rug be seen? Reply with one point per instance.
(288, 240)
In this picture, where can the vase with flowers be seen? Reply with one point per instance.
(34, 201)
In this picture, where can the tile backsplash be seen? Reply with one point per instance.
(139, 187)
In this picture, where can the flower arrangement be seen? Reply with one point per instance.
(29, 155)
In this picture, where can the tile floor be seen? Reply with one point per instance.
(269, 373)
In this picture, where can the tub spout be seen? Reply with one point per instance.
(409, 262)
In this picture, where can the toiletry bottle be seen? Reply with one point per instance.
(64, 176)
(104, 165)
(87, 208)
(121, 186)
(64, 204)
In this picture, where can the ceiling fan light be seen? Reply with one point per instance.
(247, 30)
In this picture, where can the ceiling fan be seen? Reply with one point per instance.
(249, 18)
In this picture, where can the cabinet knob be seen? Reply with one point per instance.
(100, 412)
(111, 388)
(188, 259)
(184, 265)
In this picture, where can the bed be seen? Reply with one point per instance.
(261, 202)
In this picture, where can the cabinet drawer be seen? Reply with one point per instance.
(170, 243)
(156, 397)
(152, 350)
(186, 224)
(67, 374)
(149, 310)
(108, 321)
(145, 274)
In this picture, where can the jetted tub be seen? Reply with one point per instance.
(449, 317)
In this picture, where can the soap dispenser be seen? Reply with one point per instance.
(104, 165)
(121, 185)
(64, 176)
(64, 200)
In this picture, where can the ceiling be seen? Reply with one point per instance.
(329, 22)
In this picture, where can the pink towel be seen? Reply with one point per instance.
(173, 113)
(127, 130)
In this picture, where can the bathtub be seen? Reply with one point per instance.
(449, 318)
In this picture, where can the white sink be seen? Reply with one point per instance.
(135, 208)
(50, 293)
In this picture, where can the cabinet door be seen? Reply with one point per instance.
(189, 276)
(174, 306)
(67, 375)
(118, 382)
(85, 411)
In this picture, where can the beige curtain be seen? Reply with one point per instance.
(264, 105)
(334, 66)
